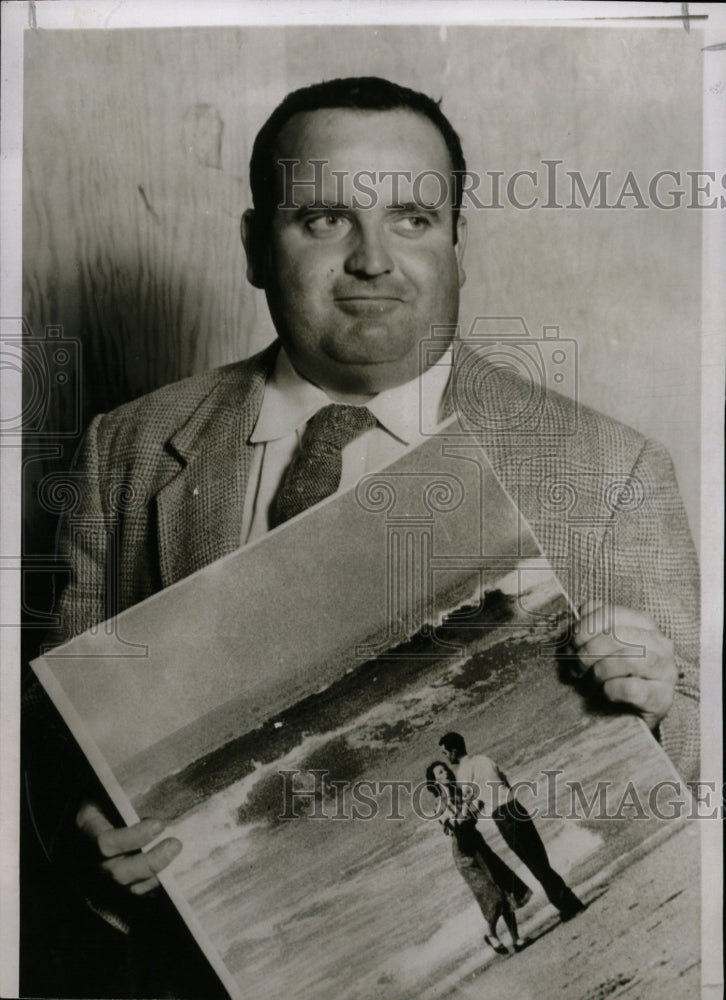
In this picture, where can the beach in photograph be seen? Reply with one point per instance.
(358, 896)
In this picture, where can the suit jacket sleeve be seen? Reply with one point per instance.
(55, 769)
(85, 540)
(655, 569)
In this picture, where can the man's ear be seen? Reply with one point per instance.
(460, 246)
(249, 230)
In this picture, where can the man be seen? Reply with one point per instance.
(354, 283)
(482, 783)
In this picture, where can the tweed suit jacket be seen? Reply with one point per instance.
(160, 486)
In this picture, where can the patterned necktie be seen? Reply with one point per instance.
(315, 470)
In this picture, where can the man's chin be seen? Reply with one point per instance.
(364, 358)
(367, 343)
(371, 375)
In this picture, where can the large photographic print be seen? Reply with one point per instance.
(296, 769)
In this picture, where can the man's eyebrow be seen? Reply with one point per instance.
(317, 205)
(320, 205)
(414, 206)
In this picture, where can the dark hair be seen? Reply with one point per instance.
(453, 741)
(431, 782)
(359, 93)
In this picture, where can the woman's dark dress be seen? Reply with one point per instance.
(496, 888)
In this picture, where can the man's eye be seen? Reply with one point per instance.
(323, 225)
(412, 223)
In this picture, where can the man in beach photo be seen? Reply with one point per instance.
(361, 259)
(482, 784)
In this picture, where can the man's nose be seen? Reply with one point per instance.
(368, 256)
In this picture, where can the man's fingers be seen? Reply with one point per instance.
(632, 652)
(141, 888)
(608, 619)
(111, 840)
(125, 863)
(629, 644)
(631, 690)
(646, 667)
(91, 821)
(645, 696)
(142, 868)
(123, 840)
(606, 641)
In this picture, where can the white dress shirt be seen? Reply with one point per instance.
(403, 413)
(482, 775)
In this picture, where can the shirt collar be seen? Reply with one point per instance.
(404, 410)
(288, 403)
(408, 410)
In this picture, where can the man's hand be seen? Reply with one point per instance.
(118, 849)
(603, 640)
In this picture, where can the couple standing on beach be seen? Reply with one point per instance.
(466, 795)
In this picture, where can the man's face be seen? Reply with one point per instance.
(451, 754)
(356, 279)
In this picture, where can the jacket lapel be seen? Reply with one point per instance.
(199, 513)
(554, 458)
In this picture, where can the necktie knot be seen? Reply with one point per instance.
(316, 468)
(335, 426)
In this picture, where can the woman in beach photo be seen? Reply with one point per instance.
(496, 888)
